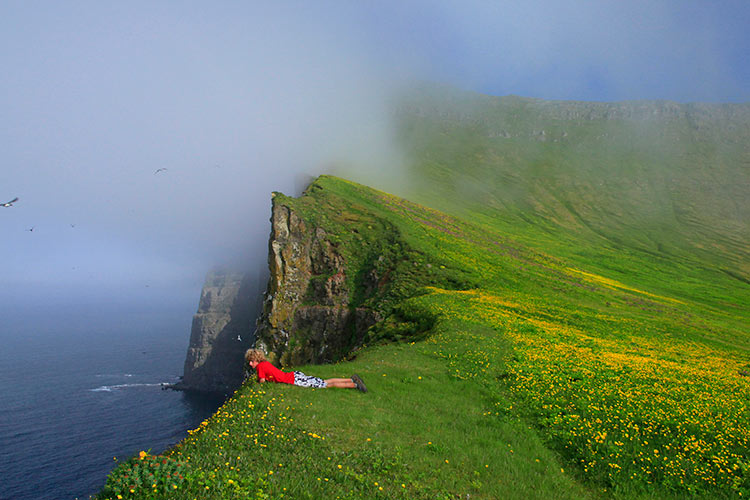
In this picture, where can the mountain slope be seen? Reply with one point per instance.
(659, 177)
(563, 313)
(531, 376)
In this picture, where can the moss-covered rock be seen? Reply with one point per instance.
(338, 267)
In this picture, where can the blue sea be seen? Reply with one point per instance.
(81, 385)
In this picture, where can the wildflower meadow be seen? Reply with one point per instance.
(500, 370)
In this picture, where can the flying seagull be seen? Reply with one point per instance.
(160, 170)
(9, 203)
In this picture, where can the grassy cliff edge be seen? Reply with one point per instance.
(517, 373)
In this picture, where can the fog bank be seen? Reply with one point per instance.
(144, 138)
(144, 141)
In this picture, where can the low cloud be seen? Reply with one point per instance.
(144, 138)
(144, 142)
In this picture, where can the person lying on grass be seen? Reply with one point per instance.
(266, 371)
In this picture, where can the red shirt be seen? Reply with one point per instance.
(269, 372)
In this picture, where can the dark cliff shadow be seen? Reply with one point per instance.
(201, 405)
(215, 359)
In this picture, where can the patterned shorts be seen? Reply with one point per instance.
(303, 380)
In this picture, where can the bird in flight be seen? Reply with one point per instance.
(9, 203)
(31, 229)
(160, 170)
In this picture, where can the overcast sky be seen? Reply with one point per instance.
(234, 99)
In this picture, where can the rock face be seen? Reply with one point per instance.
(309, 314)
(306, 315)
(222, 331)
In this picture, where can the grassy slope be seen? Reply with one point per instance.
(585, 305)
(540, 378)
(589, 180)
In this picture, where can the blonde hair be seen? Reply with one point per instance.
(255, 355)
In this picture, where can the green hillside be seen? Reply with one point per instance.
(573, 323)
(661, 177)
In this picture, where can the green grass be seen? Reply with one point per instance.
(275, 441)
(666, 178)
(539, 379)
(571, 326)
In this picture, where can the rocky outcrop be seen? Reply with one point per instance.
(307, 314)
(222, 330)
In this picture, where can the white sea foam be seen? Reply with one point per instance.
(110, 388)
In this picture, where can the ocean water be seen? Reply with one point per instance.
(80, 387)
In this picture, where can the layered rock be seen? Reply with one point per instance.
(307, 316)
(222, 330)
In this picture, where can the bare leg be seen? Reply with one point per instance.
(341, 382)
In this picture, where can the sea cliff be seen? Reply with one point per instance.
(308, 314)
(222, 330)
(337, 272)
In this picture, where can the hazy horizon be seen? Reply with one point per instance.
(144, 139)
